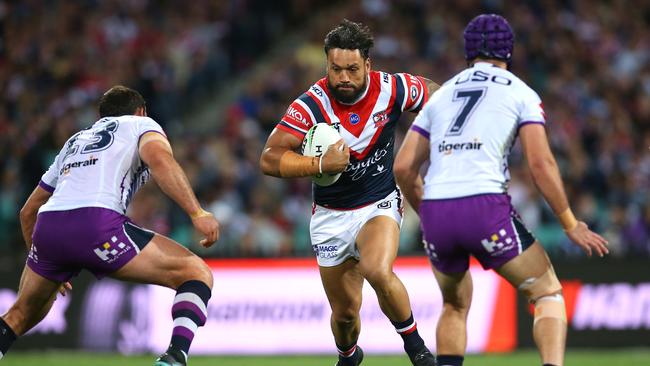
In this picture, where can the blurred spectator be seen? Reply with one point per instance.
(589, 61)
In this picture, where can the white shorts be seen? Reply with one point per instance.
(334, 232)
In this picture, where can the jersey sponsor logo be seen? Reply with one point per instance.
(326, 251)
(295, 115)
(110, 252)
(359, 169)
(448, 148)
(354, 118)
(385, 78)
(380, 169)
(380, 119)
(77, 164)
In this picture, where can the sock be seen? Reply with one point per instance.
(346, 351)
(448, 360)
(7, 338)
(189, 312)
(408, 329)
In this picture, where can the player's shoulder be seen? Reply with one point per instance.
(137, 124)
(521, 88)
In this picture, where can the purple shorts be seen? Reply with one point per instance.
(97, 239)
(485, 226)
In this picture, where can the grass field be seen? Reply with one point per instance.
(632, 357)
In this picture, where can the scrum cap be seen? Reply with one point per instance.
(489, 36)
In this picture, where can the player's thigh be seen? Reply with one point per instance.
(456, 288)
(531, 263)
(165, 262)
(35, 295)
(343, 284)
(378, 242)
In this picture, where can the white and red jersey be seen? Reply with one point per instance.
(472, 122)
(99, 166)
(367, 126)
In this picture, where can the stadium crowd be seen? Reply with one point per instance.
(589, 61)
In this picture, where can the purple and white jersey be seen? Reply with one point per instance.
(472, 122)
(99, 166)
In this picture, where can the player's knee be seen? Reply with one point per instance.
(456, 304)
(546, 285)
(345, 316)
(378, 278)
(194, 269)
(200, 272)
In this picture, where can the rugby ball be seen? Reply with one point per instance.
(319, 137)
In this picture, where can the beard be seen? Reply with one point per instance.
(347, 96)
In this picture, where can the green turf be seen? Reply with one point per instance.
(633, 357)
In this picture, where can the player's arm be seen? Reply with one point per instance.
(431, 86)
(29, 212)
(156, 152)
(546, 176)
(280, 159)
(412, 154)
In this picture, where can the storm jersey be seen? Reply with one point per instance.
(99, 166)
(367, 126)
(472, 122)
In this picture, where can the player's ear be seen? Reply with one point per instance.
(368, 64)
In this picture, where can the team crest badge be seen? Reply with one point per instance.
(380, 119)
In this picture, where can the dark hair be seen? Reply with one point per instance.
(119, 101)
(350, 36)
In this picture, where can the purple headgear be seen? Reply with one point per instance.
(489, 36)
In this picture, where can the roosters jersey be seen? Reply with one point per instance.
(472, 122)
(367, 126)
(99, 166)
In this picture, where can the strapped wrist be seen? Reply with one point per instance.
(320, 164)
(568, 220)
(200, 213)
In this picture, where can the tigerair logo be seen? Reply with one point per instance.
(66, 168)
(447, 148)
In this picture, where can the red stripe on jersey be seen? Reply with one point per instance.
(296, 133)
(414, 89)
(362, 108)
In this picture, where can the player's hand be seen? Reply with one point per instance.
(65, 286)
(588, 240)
(336, 158)
(206, 224)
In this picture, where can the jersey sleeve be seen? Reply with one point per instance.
(531, 109)
(415, 91)
(51, 177)
(422, 122)
(297, 120)
(146, 124)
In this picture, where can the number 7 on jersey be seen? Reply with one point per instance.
(470, 98)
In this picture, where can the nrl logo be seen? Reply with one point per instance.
(380, 119)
